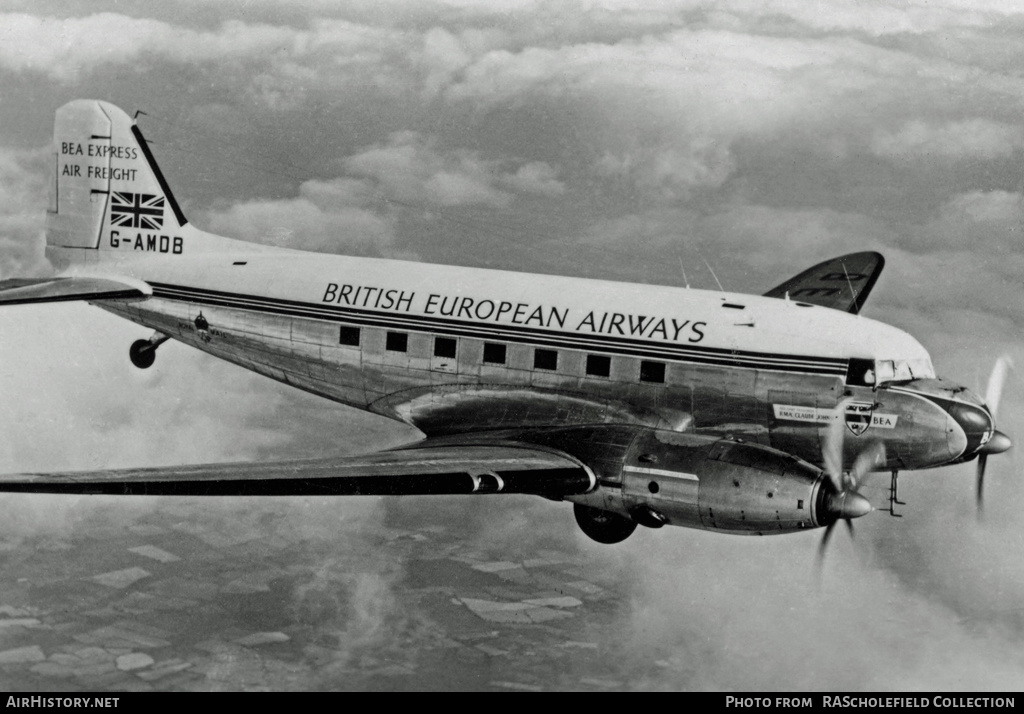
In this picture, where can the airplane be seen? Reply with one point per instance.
(639, 404)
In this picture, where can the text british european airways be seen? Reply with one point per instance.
(464, 307)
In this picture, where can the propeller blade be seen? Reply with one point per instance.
(999, 442)
(982, 461)
(823, 546)
(996, 380)
(833, 439)
(842, 502)
(866, 462)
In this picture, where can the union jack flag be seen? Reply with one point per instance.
(137, 210)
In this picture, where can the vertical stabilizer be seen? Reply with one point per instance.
(108, 193)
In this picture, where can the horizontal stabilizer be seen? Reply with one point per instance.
(842, 283)
(19, 291)
(423, 470)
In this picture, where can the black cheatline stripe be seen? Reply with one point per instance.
(332, 310)
(602, 343)
(706, 355)
(415, 322)
(481, 332)
(159, 176)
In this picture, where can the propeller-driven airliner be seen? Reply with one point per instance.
(640, 404)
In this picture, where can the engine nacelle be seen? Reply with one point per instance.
(659, 477)
(718, 484)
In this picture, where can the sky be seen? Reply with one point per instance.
(640, 141)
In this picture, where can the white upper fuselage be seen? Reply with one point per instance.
(658, 316)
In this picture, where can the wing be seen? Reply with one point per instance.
(19, 291)
(423, 469)
(842, 283)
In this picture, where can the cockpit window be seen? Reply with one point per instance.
(865, 372)
(904, 370)
(922, 368)
(886, 370)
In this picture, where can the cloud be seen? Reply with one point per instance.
(981, 223)
(444, 54)
(666, 111)
(327, 216)
(24, 187)
(883, 19)
(856, 629)
(973, 138)
(64, 48)
(85, 396)
(670, 173)
(412, 168)
(750, 247)
(536, 177)
(713, 74)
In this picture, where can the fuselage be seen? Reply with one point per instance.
(456, 350)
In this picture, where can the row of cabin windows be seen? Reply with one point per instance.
(496, 353)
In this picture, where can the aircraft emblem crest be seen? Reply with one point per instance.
(858, 416)
(202, 327)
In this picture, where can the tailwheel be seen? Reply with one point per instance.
(143, 352)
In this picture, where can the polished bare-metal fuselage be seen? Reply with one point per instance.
(450, 376)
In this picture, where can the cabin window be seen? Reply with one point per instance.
(652, 372)
(397, 342)
(349, 336)
(545, 359)
(444, 347)
(494, 354)
(599, 365)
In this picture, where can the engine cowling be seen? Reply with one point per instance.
(719, 484)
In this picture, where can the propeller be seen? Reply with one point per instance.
(841, 501)
(998, 442)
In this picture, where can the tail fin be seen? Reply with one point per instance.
(108, 193)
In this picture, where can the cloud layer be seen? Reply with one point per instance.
(621, 140)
